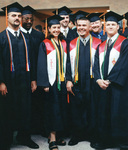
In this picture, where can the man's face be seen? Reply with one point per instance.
(83, 28)
(64, 23)
(96, 26)
(14, 19)
(27, 21)
(111, 28)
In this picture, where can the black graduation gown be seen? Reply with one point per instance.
(126, 32)
(82, 106)
(35, 38)
(55, 106)
(18, 99)
(113, 102)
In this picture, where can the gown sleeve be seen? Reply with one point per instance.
(42, 73)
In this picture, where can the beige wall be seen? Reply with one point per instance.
(46, 7)
(119, 6)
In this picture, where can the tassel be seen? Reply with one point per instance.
(6, 17)
(123, 25)
(104, 26)
(68, 97)
(46, 34)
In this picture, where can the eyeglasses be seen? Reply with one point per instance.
(27, 19)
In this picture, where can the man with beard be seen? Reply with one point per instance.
(35, 37)
(80, 81)
(96, 26)
(111, 74)
(17, 80)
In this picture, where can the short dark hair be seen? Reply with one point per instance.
(60, 36)
(39, 27)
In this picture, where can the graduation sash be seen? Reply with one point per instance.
(74, 55)
(114, 53)
(12, 67)
(53, 61)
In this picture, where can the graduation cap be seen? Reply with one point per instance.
(94, 16)
(112, 16)
(28, 10)
(72, 18)
(79, 14)
(14, 7)
(2, 13)
(125, 16)
(62, 11)
(54, 20)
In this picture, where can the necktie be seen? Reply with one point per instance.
(106, 62)
(109, 42)
(65, 33)
(16, 34)
(84, 41)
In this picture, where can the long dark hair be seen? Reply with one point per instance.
(60, 36)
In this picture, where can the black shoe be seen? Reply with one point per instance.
(74, 141)
(61, 142)
(101, 146)
(29, 143)
(53, 145)
(123, 146)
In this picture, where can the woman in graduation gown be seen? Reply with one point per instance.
(51, 77)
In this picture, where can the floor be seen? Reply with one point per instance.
(42, 142)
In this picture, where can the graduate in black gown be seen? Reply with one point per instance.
(96, 26)
(51, 70)
(17, 78)
(111, 74)
(80, 81)
(35, 38)
(78, 15)
(67, 32)
(126, 29)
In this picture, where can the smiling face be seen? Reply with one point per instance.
(27, 21)
(14, 19)
(111, 28)
(64, 23)
(83, 28)
(96, 26)
(54, 30)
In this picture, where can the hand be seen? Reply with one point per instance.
(69, 86)
(3, 89)
(46, 89)
(33, 86)
(103, 83)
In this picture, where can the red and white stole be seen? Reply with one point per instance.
(94, 42)
(52, 60)
(114, 53)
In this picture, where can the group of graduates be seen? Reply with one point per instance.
(78, 77)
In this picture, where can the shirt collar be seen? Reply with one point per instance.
(12, 31)
(87, 39)
(62, 29)
(113, 38)
(26, 31)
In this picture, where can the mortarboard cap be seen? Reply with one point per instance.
(14, 7)
(79, 14)
(2, 13)
(27, 10)
(54, 20)
(62, 11)
(72, 18)
(112, 16)
(126, 15)
(94, 16)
